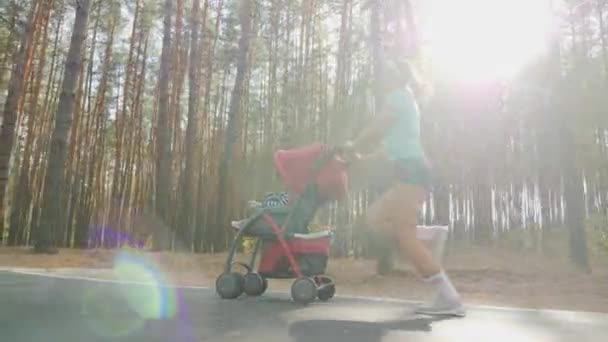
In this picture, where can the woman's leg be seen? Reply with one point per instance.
(396, 213)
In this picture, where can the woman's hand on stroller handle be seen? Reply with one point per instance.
(346, 152)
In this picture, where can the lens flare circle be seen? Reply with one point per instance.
(155, 300)
(142, 294)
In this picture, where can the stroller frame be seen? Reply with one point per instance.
(289, 239)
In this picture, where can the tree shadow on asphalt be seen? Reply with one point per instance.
(355, 331)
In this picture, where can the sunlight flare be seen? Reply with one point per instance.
(481, 39)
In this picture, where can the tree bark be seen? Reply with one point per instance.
(97, 154)
(163, 148)
(23, 193)
(51, 214)
(234, 127)
(15, 89)
(190, 186)
(573, 186)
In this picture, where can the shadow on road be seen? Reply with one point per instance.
(355, 331)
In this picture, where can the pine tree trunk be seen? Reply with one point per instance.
(233, 130)
(43, 133)
(50, 216)
(179, 59)
(190, 186)
(78, 217)
(9, 116)
(97, 157)
(163, 148)
(573, 191)
(441, 196)
(70, 197)
(23, 193)
(8, 48)
(482, 213)
(376, 46)
(122, 115)
(602, 34)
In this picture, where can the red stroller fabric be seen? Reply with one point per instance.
(296, 169)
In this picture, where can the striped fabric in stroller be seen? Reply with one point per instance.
(275, 199)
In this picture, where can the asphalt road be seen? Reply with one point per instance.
(35, 308)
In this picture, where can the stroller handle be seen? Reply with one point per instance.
(319, 163)
(344, 154)
(333, 153)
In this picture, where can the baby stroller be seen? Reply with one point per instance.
(313, 175)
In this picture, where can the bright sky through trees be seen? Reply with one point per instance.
(483, 39)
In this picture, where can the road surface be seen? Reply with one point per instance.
(46, 309)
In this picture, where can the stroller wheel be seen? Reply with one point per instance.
(254, 284)
(229, 285)
(304, 290)
(327, 293)
(265, 284)
(327, 289)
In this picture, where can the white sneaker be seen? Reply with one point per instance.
(442, 307)
(447, 302)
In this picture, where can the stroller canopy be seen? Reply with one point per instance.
(296, 168)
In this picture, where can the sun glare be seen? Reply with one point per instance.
(482, 39)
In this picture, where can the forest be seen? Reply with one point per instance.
(153, 123)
